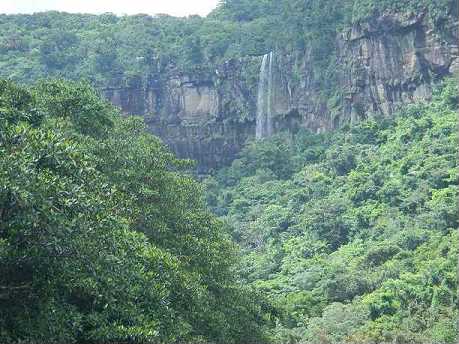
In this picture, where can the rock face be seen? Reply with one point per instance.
(390, 60)
(395, 60)
(206, 118)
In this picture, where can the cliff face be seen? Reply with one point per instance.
(390, 60)
(395, 59)
(203, 118)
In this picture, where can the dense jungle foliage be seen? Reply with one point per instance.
(104, 236)
(352, 234)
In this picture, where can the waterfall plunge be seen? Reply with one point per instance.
(264, 98)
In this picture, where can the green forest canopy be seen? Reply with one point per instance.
(352, 234)
(344, 236)
(320, 238)
(110, 50)
(104, 236)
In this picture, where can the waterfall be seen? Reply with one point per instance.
(269, 125)
(264, 125)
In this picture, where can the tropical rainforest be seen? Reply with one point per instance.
(352, 234)
(106, 236)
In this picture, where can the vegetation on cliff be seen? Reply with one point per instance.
(115, 51)
(352, 234)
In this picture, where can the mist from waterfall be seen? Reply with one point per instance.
(264, 125)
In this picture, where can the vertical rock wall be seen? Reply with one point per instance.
(390, 60)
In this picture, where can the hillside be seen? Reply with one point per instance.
(278, 172)
(353, 234)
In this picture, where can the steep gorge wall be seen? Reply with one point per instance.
(389, 60)
(206, 118)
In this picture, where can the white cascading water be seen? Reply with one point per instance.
(264, 126)
(269, 124)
